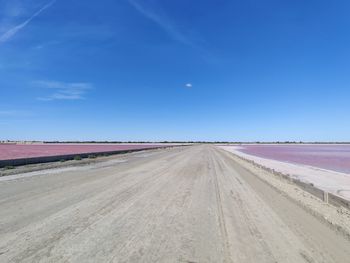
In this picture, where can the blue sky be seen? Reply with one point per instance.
(175, 70)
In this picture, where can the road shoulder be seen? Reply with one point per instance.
(337, 218)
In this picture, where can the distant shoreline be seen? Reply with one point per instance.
(165, 142)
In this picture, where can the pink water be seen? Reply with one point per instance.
(17, 151)
(330, 157)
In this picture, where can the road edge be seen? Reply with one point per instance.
(337, 218)
(75, 163)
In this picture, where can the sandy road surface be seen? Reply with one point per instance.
(191, 204)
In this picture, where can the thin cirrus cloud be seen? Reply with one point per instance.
(14, 30)
(12, 113)
(162, 21)
(7, 112)
(63, 90)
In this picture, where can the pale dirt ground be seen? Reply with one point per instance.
(330, 181)
(190, 204)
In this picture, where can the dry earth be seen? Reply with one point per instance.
(190, 204)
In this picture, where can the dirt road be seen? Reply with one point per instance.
(190, 204)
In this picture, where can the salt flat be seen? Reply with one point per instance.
(330, 181)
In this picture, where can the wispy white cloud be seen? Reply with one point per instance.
(63, 90)
(46, 44)
(14, 30)
(12, 8)
(7, 112)
(161, 20)
(13, 113)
